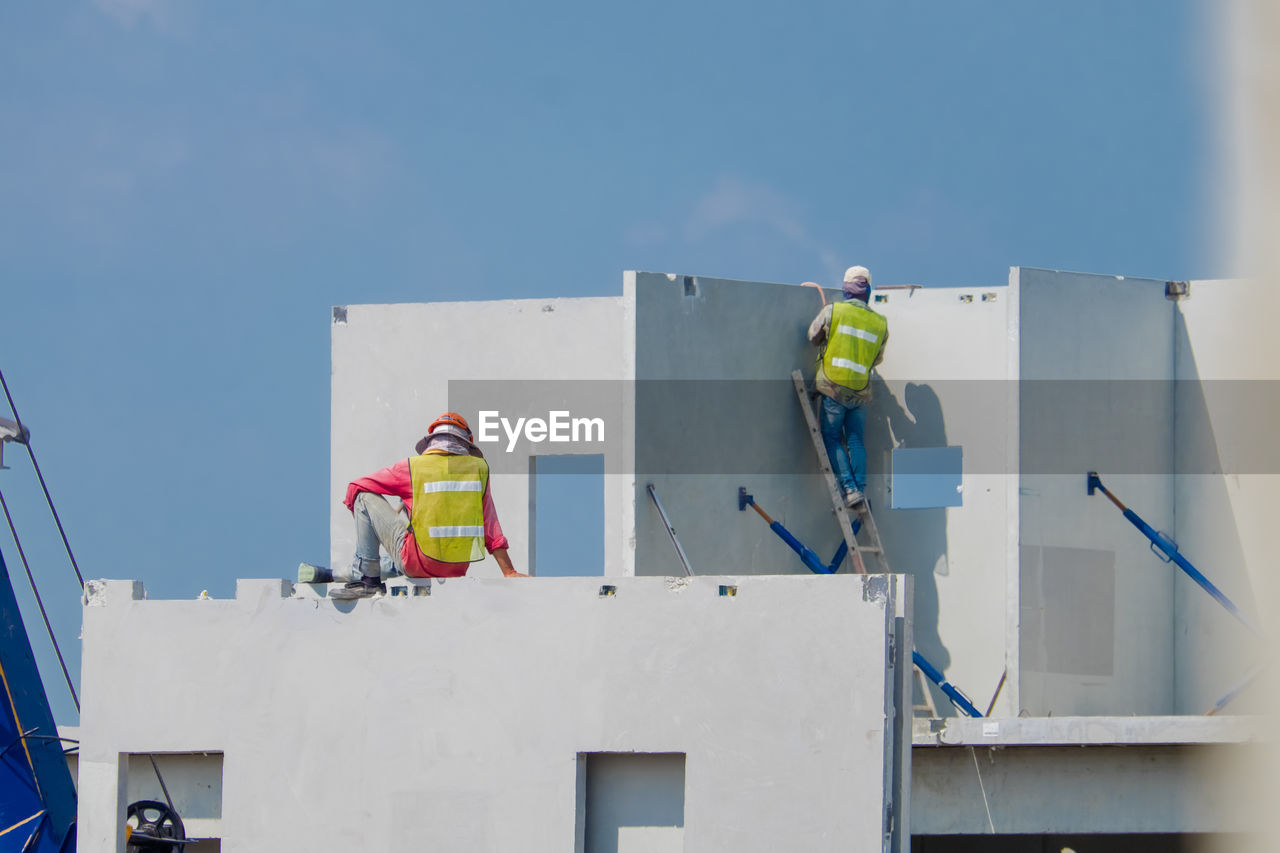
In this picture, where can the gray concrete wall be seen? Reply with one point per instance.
(1227, 486)
(947, 383)
(1072, 789)
(1096, 393)
(716, 410)
(456, 720)
(397, 367)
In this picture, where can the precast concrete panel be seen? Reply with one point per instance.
(1227, 486)
(1095, 394)
(716, 410)
(947, 383)
(397, 367)
(459, 719)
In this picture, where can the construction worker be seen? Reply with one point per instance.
(451, 519)
(852, 337)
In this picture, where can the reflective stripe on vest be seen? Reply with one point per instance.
(853, 343)
(457, 530)
(453, 486)
(448, 506)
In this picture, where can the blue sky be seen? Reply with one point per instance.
(189, 187)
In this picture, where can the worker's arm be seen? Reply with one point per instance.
(883, 344)
(504, 563)
(393, 480)
(494, 540)
(818, 328)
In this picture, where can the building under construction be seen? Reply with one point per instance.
(697, 685)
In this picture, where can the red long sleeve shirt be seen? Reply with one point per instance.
(396, 480)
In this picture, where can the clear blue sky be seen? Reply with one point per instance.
(188, 187)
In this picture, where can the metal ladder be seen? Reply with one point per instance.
(843, 514)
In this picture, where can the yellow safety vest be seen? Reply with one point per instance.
(853, 342)
(448, 506)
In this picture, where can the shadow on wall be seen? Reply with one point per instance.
(1206, 530)
(915, 540)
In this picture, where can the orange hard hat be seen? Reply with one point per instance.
(451, 419)
(454, 424)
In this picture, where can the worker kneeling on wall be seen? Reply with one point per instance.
(451, 521)
(852, 337)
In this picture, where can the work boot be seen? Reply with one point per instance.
(366, 587)
(308, 573)
(853, 497)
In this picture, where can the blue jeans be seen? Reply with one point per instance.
(377, 524)
(842, 434)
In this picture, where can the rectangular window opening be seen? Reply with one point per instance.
(566, 515)
(194, 780)
(630, 802)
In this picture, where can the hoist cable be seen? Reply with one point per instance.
(48, 498)
(43, 613)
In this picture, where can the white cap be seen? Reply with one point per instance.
(852, 274)
(449, 429)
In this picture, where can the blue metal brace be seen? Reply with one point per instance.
(1170, 549)
(957, 698)
(806, 554)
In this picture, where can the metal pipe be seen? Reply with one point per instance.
(807, 555)
(1170, 549)
(1235, 691)
(953, 693)
(684, 560)
(994, 696)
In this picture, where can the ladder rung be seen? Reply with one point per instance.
(843, 513)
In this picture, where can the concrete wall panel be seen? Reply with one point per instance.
(713, 364)
(947, 382)
(713, 368)
(456, 720)
(392, 368)
(1227, 487)
(1096, 393)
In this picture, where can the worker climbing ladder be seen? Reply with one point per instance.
(844, 515)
